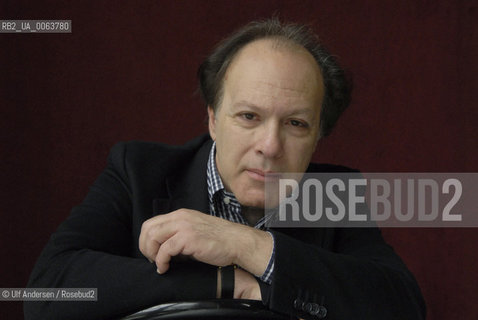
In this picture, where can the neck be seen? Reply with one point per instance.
(252, 215)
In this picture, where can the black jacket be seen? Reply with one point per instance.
(352, 273)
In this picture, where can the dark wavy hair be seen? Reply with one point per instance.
(337, 85)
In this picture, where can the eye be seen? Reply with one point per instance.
(248, 116)
(297, 123)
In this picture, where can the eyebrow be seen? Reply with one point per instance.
(245, 103)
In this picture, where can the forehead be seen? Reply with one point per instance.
(275, 69)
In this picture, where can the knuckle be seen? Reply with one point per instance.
(146, 225)
(170, 244)
(150, 233)
(183, 225)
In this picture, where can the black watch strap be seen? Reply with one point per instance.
(227, 282)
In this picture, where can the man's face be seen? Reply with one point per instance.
(268, 120)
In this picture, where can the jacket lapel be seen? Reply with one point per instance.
(188, 188)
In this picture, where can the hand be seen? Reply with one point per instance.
(246, 286)
(186, 232)
(205, 238)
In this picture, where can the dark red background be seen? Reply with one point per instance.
(128, 72)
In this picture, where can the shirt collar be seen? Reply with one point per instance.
(215, 186)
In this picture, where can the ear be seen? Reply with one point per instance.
(319, 136)
(211, 122)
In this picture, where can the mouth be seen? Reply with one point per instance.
(261, 175)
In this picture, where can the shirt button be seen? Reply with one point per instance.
(227, 200)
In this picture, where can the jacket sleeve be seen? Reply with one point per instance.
(361, 277)
(96, 248)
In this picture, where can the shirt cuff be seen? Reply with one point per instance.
(267, 276)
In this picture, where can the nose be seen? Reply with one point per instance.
(269, 142)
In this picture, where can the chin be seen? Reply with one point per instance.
(251, 201)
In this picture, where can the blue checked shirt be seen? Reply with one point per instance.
(223, 204)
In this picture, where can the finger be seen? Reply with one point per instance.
(154, 232)
(170, 248)
(147, 245)
(151, 250)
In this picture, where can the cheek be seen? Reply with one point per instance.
(232, 154)
(299, 155)
(237, 154)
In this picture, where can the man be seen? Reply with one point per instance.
(271, 92)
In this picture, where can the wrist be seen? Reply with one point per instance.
(254, 250)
